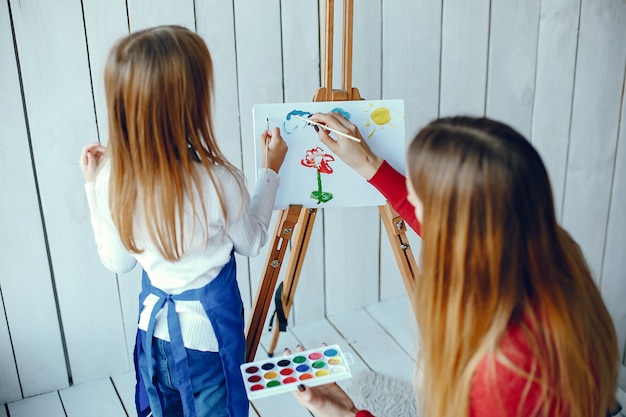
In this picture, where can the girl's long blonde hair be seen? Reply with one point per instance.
(494, 257)
(159, 85)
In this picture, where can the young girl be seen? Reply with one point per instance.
(163, 195)
(512, 323)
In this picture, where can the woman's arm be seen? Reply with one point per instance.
(358, 155)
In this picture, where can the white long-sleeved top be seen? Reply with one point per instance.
(246, 232)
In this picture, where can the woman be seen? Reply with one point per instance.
(512, 323)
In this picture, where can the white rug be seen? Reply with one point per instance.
(381, 395)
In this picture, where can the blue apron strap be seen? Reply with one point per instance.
(221, 301)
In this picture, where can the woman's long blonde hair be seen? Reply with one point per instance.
(159, 85)
(494, 257)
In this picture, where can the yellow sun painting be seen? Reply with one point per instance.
(379, 116)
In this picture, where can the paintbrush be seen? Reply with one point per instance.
(267, 143)
(345, 135)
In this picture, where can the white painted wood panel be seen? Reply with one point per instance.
(464, 46)
(613, 284)
(105, 24)
(352, 235)
(125, 387)
(411, 65)
(396, 316)
(29, 317)
(144, 14)
(34, 406)
(260, 75)
(595, 117)
(301, 68)
(9, 382)
(554, 86)
(54, 67)
(512, 61)
(216, 24)
(372, 343)
(93, 399)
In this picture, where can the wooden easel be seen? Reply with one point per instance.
(305, 217)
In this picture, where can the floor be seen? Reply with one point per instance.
(380, 338)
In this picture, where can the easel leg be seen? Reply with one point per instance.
(396, 231)
(294, 267)
(263, 298)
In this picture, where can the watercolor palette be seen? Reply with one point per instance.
(284, 373)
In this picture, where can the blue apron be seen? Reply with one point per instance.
(221, 301)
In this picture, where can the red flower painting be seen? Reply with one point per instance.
(318, 159)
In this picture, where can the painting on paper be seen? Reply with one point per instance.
(311, 175)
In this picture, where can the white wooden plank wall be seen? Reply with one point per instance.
(554, 69)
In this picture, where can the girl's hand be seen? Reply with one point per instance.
(325, 400)
(90, 160)
(357, 155)
(273, 149)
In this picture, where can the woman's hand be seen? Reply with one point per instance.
(273, 149)
(357, 155)
(325, 400)
(90, 160)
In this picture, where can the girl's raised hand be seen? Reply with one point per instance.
(90, 160)
(356, 154)
(273, 149)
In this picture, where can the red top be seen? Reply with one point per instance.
(364, 413)
(392, 185)
(499, 396)
(499, 392)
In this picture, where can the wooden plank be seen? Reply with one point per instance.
(396, 317)
(125, 387)
(216, 24)
(48, 405)
(411, 57)
(145, 14)
(23, 252)
(366, 44)
(554, 87)
(309, 301)
(105, 24)
(411, 54)
(9, 381)
(352, 235)
(613, 284)
(25, 281)
(94, 399)
(512, 57)
(301, 66)
(314, 334)
(55, 72)
(464, 42)
(594, 129)
(352, 260)
(373, 344)
(621, 398)
(301, 50)
(259, 75)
